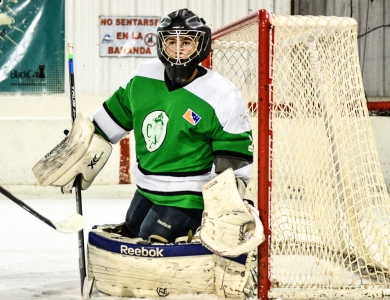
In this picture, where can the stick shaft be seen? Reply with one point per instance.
(72, 88)
(82, 262)
(26, 207)
(79, 209)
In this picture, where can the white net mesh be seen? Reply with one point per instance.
(329, 207)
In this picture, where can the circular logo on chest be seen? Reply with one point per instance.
(154, 129)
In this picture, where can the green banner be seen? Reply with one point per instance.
(32, 43)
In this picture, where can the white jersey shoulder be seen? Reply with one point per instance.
(152, 68)
(225, 98)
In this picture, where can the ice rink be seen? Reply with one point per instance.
(37, 262)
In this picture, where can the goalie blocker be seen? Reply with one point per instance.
(81, 152)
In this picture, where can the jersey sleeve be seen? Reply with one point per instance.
(232, 141)
(114, 118)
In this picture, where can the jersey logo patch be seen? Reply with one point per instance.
(192, 117)
(154, 129)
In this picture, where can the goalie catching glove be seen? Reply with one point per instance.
(81, 152)
(230, 227)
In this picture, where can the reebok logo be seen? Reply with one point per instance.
(156, 252)
(210, 184)
(164, 224)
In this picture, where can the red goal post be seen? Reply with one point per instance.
(317, 178)
(261, 20)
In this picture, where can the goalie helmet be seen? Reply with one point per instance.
(184, 41)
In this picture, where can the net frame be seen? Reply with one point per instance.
(263, 21)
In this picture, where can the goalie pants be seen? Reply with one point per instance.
(144, 218)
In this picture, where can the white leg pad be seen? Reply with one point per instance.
(234, 280)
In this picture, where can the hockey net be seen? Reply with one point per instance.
(320, 190)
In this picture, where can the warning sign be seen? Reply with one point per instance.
(128, 36)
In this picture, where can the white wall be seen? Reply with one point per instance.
(101, 75)
(31, 126)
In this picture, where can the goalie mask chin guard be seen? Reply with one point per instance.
(184, 41)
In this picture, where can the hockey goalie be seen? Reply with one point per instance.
(220, 259)
(217, 260)
(187, 229)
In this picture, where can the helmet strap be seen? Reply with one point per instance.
(192, 76)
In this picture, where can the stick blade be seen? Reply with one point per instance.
(88, 287)
(74, 223)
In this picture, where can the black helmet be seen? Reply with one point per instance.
(182, 27)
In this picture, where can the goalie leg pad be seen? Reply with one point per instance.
(230, 226)
(81, 152)
(234, 278)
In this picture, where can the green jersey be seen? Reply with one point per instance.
(177, 132)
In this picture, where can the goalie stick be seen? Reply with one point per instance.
(73, 223)
(72, 92)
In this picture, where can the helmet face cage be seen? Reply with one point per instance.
(179, 47)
